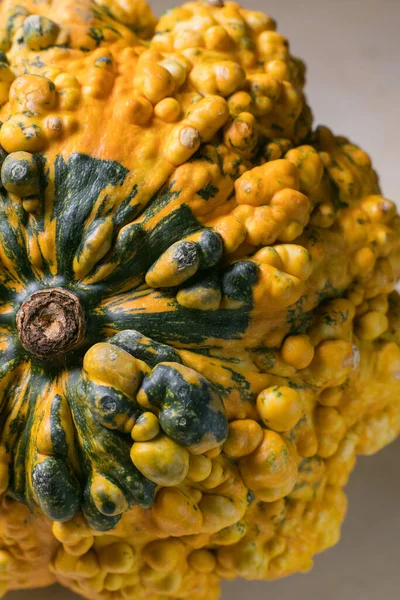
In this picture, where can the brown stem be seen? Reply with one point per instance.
(51, 322)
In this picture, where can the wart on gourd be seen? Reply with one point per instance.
(196, 289)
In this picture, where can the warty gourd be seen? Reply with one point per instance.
(198, 325)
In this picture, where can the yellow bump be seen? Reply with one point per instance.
(157, 83)
(363, 262)
(231, 534)
(297, 351)
(328, 419)
(33, 93)
(40, 32)
(108, 498)
(64, 563)
(258, 21)
(69, 92)
(65, 81)
(213, 452)
(116, 558)
(257, 186)
(70, 124)
(371, 325)
(181, 144)
(31, 205)
(220, 511)
(188, 39)
(241, 135)
(217, 38)
(279, 407)
(278, 69)
(96, 246)
(113, 582)
(175, 266)
(71, 532)
(93, 585)
(199, 298)
(296, 208)
(232, 230)
(243, 438)
(379, 209)
(379, 303)
(272, 45)
(161, 460)
(208, 116)
(176, 69)
(327, 446)
(87, 565)
(222, 78)
(331, 396)
(323, 215)
(216, 477)
(81, 547)
(199, 467)
(113, 366)
(22, 133)
(202, 561)
(5, 562)
(168, 584)
(163, 555)
(175, 513)
(311, 168)
(138, 111)
(307, 444)
(276, 289)
(271, 470)
(240, 102)
(129, 591)
(53, 126)
(333, 360)
(168, 110)
(266, 92)
(6, 79)
(146, 427)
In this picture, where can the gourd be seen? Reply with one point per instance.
(198, 325)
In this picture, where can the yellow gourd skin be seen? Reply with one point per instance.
(227, 252)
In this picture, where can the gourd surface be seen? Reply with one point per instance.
(198, 325)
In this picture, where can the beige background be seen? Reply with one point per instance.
(352, 49)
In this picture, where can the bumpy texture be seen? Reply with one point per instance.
(198, 326)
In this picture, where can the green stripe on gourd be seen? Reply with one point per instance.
(191, 411)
